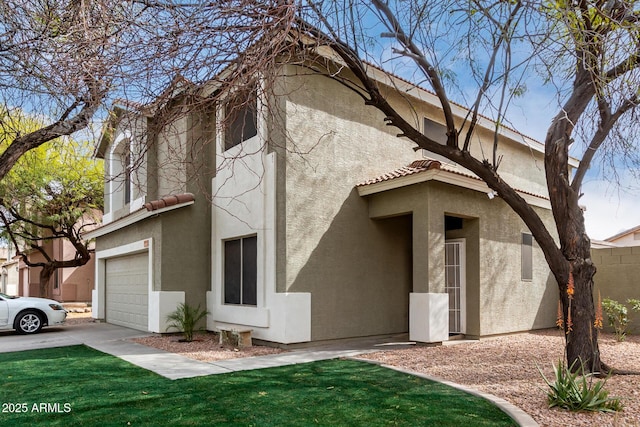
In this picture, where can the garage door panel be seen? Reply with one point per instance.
(127, 291)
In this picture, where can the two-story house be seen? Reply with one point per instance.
(324, 224)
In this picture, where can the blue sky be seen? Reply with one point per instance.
(611, 207)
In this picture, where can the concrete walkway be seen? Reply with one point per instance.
(114, 340)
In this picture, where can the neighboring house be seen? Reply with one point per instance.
(66, 285)
(324, 224)
(601, 244)
(630, 237)
(8, 271)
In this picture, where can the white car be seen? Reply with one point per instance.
(28, 315)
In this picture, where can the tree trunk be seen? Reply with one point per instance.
(581, 335)
(45, 275)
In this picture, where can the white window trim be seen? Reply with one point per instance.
(241, 239)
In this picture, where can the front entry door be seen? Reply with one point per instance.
(454, 265)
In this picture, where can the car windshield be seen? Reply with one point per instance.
(5, 296)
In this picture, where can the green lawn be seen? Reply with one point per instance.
(93, 388)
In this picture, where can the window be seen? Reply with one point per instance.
(435, 131)
(242, 123)
(126, 170)
(240, 278)
(527, 256)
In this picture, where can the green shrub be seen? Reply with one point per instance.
(617, 315)
(185, 319)
(574, 390)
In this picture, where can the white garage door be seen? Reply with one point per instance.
(127, 291)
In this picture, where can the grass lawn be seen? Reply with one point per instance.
(92, 388)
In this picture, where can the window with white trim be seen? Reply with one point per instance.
(126, 171)
(241, 119)
(240, 271)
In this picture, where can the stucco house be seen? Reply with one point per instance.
(630, 237)
(73, 284)
(323, 223)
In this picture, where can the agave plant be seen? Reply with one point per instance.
(185, 319)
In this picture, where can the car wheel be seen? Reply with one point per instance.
(28, 322)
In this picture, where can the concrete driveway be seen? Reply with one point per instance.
(60, 336)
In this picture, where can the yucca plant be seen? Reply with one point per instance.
(185, 319)
(575, 391)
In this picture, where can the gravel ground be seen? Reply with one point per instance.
(505, 366)
(204, 347)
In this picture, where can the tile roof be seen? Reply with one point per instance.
(171, 200)
(419, 166)
(416, 166)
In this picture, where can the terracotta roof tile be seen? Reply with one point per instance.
(419, 166)
(415, 167)
(171, 200)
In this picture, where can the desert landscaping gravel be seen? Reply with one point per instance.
(506, 367)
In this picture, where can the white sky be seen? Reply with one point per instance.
(610, 209)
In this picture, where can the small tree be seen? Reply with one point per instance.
(53, 192)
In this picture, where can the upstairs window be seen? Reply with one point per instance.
(126, 171)
(241, 120)
(435, 131)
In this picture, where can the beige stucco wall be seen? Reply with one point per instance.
(520, 165)
(360, 270)
(631, 239)
(177, 158)
(171, 162)
(618, 277)
(350, 264)
(498, 301)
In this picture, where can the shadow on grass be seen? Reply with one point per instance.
(100, 389)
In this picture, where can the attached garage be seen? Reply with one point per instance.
(127, 291)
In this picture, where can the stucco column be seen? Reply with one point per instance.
(421, 255)
(436, 239)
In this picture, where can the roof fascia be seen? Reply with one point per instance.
(622, 234)
(460, 112)
(131, 219)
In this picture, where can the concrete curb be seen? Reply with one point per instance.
(518, 415)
